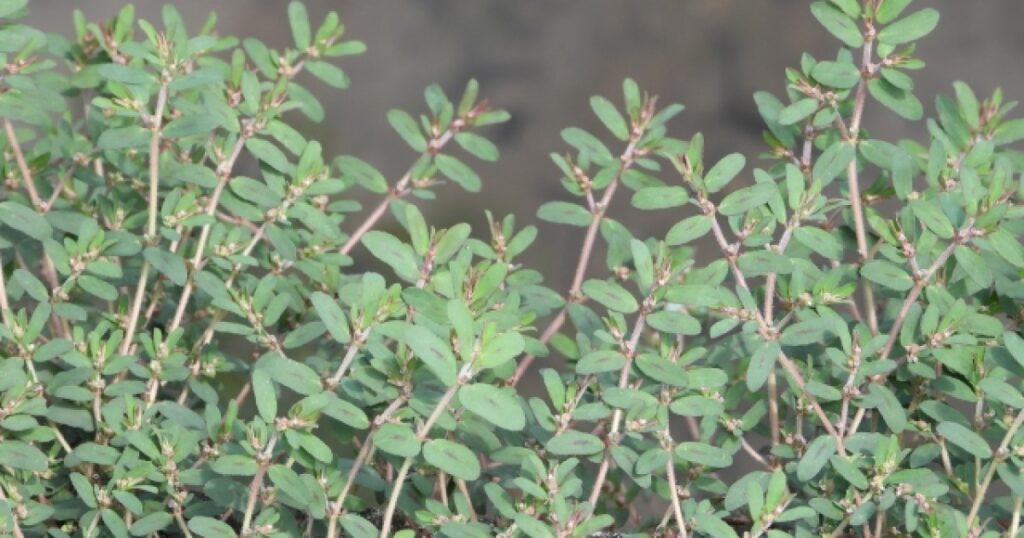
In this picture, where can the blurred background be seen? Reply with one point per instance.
(542, 60)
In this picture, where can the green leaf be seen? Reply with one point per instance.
(724, 171)
(408, 129)
(974, 265)
(887, 274)
(660, 197)
(1015, 345)
(1007, 246)
(95, 453)
(533, 527)
(803, 333)
(587, 145)
(390, 250)
(168, 264)
(289, 482)
(11, 7)
(25, 220)
(815, 457)
(841, 75)
(890, 9)
(673, 322)
(762, 364)
(358, 527)
(661, 370)
(933, 218)
(703, 454)
(298, 19)
(688, 229)
(501, 349)
(610, 117)
(833, 161)
(910, 28)
(124, 73)
(329, 73)
(32, 285)
(452, 458)
(21, 455)
(497, 406)
(151, 523)
(294, 375)
(189, 125)
(819, 241)
(332, 315)
(269, 154)
(747, 198)
(346, 413)
(574, 443)
(838, 24)
(477, 146)
(797, 111)
(123, 137)
(362, 172)
(264, 395)
(565, 213)
(611, 295)
(458, 172)
(1009, 132)
(899, 101)
(712, 525)
(433, 351)
(597, 362)
(208, 527)
(888, 406)
(235, 465)
(964, 438)
(397, 439)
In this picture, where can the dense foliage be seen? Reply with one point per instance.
(190, 351)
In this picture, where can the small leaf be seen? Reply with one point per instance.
(762, 364)
(899, 101)
(208, 527)
(168, 264)
(458, 172)
(610, 117)
(397, 439)
(21, 455)
(332, 315)
(910, 28)
(497, 406)
(329, 73)
(477, 146)
(838, 24)
(452, 458)
(688, 229)
(587, 145)
(25, 220)
(362, 172)
(887, 274)
(833, 161)
(841, 75)
(565, 213)
(501, 349)
(673, 322)
(433, 351)
(408, 129)
(611, 295)
(819, 241)
(574, 443)
(797, 111)
(298, 19)
(703, 454)
(964, 438)
(660, 197)
(816, 456)
(724, 171)
(598, 362)
(747, 198)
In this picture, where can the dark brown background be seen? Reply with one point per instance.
(543, 59)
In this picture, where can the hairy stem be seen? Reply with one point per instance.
(1000, 455)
